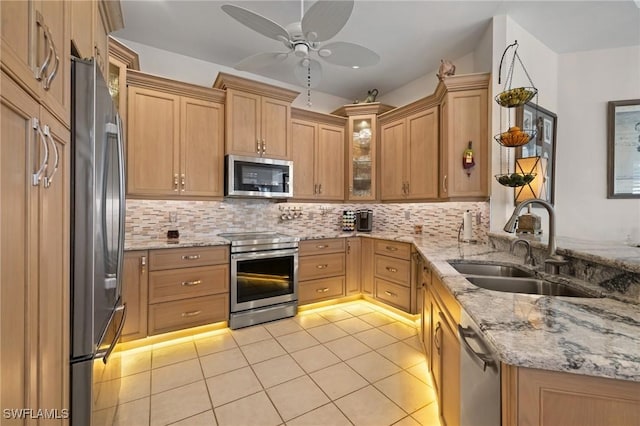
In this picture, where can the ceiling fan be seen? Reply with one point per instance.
(323, 20)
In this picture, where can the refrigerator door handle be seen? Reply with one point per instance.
(121, 171)
(105, 354)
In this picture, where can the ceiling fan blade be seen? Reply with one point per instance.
(257, 22)
(349, 55)
(308, 72)
(260, 60)
(325, 19)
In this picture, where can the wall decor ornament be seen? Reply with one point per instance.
(623, 149)
(532, 117)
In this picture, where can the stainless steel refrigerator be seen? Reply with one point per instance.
(97, 244)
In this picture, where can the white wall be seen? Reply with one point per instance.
(588, 80)
(483, 54)
(191, 70)
(542, 65)
(425, 85)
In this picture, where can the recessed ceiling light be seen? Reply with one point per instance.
(355, 67)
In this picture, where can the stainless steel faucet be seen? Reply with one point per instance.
(553, 260)
(528, 258)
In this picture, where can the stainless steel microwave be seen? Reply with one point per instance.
(258, 177)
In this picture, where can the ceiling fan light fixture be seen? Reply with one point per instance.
(355, 67)
(323, 53)
(312, 35)
(301, 50)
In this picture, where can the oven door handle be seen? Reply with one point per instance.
(264, 254)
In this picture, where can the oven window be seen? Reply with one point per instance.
(264, 278)
(260, 177)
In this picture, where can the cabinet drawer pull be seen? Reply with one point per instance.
(175, 183)
(322, 290)
(388, 293)
(264, 147)
(48, 179)
(41, 70)
(444, 183)
(182, 181)
(390, 269)
(47, 82)
(258, 146)
(323, 266)
(190, 314)
(321, 246)
(390, 248)
(436, 337)
(191, 283)
(191, 257)
(37, 176)
(143, 264)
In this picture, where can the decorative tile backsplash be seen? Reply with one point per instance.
(150, 218)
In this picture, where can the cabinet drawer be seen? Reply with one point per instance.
(180, 314)
(332, 245)
(187, 257)
(393, 294)
(317, 290)
(321, 266)
(176, 284)
(393, 269)
(393, 248)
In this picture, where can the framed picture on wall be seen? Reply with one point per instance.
(623, 149)
(532, 116)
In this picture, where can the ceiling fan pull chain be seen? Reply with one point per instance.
(309, 85)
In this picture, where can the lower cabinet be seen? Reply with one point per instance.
(392, 273)
(366, 266)
(539, 397)
(321, 270)
(444, 316)
(172, 289)
(353, 276)
(134, 294)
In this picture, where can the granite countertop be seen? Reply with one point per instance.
(595, 337)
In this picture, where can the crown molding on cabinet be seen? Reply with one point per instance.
(111, 11)
(362, 109)
(124, 54)
(227, 81)
(304, 114)
(149, 81)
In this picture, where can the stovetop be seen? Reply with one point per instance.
(255, 238)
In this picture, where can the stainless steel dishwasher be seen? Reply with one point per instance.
(479, 377)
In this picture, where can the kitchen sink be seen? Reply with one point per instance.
(490, 270)
(526, 285)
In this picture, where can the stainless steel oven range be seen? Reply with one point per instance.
(264, 277)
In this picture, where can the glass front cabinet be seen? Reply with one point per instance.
(361, 156)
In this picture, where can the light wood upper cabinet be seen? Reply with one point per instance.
(82, 24)
(361, 155)
(257, 125)
(258, 118)
(392, 150)
(153, 148)
(464, 119)
(409, 163)
(35, 51)
(34, 253)
(201, 152)
(174, 144)
(318, 156)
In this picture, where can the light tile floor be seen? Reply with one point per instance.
(348, 364)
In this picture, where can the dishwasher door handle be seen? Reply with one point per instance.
(485, 359)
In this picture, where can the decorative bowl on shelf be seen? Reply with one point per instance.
(516, 97)
(515, 137)
(515, 180)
